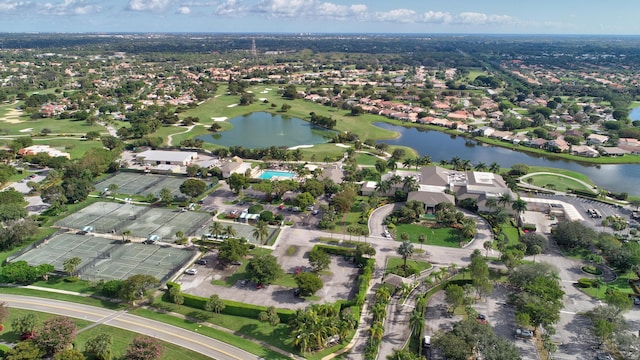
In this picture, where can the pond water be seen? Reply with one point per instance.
(441, 146)
(262, 129)
(634, 114)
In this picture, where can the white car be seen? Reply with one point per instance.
(386, 233)
(191, 271)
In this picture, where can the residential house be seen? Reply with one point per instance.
(584, 150)
(558, 145)
(37, 149)
(596, 139)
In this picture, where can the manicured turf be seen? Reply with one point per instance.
(121, 338)
(394, 262)
(570, 173)
(277, 336)
(435, 236)
(558, 183)
(63, 297)
(366, 159)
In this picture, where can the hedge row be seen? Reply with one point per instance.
(232, 307)
(335, 250)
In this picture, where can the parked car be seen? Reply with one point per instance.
(386, 233)
(191, 271)
(524, 333)
(604, 356)
(482, 319)
(201, 261)
(636, 301)
(315, 212)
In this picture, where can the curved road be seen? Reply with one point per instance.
(213, 348)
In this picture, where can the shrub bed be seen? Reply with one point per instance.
(590, 269)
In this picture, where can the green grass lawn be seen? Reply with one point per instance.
(63, 297)
(557, 183)
(74, 146)
(394, 262)
(56, 126)
(121, 338)
(447, 237)
(366, 159)
(276, 336)
(620, 284)
(512, 234)
(570, 173)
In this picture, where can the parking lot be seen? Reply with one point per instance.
(339, 281)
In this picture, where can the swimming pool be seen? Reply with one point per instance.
(268, 174)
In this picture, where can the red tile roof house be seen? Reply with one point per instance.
(558, 145)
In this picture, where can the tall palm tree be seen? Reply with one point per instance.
(383, 294)
(455, 162)
(519, 206)
(416, 322)
(377, 331)
(422, 238)
(468, 229)
(405, 250)
(378, 311)
(505, 199)
(230, 231)
(491, 203)
(392, 164)
(216, 229)
(494, 167)
(261, 231)
(383, 187)
(465, 165)
(408, 162)
(487, 245)
(425, 160)
(481, 166)
(410, 184)
(395, 179)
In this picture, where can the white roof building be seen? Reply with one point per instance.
(157, 157)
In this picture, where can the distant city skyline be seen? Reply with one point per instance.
(615, 17)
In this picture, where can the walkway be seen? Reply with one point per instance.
(170, 136)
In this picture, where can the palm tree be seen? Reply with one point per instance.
(405, 250)
(487, 245)
(519, 206)
(392, 164)
(410, 184)
(425, 160)
(494, 167)
(491, 203)
(465, 165)
(455, 162)
(416, 322)
(216, 229)
(378, 311)
(505, 199)
(469, 228)
(377, 331)
(422, 238)
(481, 166)
(383, 294)
(395, 179)
(261, 231)
(408, 162)
(383, 187)
(230, 231)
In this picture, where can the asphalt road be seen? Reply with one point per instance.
(120, 319)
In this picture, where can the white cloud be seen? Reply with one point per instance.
(397, 15)
(230, 8)
(437, 17)
(184, 10)
(147, 5)
(9, 6)
(474, 18)
(310, 9)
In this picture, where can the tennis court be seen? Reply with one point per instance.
(133, 258)
(242, 231)
(104, 217)
(143, 184)
(62, 247)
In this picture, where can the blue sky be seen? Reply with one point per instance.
(295, 16)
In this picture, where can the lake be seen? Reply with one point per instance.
(441, 146)
(263, 129)
(634, 114)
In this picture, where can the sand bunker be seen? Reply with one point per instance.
(300, 147)
(343, 146)
(27, 130)
(262, 99)
(12, 116)
(232, 105)
(222, 118)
